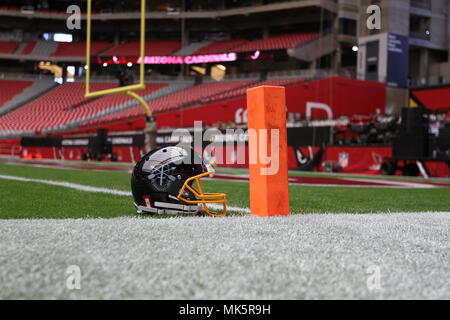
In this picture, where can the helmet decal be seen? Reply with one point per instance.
(163, 157)
(162, 178)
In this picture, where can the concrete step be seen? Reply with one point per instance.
(191, 49)
(315, 49)
(20, 48)
(44, 48)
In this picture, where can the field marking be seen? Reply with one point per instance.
(297, 184)
(85, 188)
(44, 166)
(398, 184)
(69, 167)
(360, 181)
(69, 185)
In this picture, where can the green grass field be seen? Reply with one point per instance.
(34, 200)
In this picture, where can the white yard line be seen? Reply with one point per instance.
(69, 185)
(50, 166)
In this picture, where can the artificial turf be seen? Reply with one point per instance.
(34, 200)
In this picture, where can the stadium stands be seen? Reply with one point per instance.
(11, 88)
(8, 46)
(197, 95)
(277, 42)
(191, 48)
(44, 48)
(191, 96)
(201, 94)
(154, 95)
(153, 48)
(241, 91)
(221, 46)
(64, 104)
(156, 47)
(33, 91)
(78, 49)
(29, 47)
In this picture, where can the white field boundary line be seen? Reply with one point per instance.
(50, 166)
(390, 185)
(69, 185)
(397, 183)
(394, 184)
(81, 187)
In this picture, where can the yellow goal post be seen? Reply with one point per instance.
(128, 90)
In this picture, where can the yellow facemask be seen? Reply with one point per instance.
(203, 198)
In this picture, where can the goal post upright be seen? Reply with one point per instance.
(127, 90)
(268, 153)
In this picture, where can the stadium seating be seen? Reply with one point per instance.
(201, 94)
(29, 47)
(44, 48)
(277, 42)
(78, 49)
(241, 91)
(156, 47)
(8, 46)
(191, 96)
(152, 48)
(64, 104)
(11, 88)
(282, 82)
(221, 46)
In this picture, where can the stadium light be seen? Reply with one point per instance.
(62, 37)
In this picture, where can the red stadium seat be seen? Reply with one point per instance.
(63, 105)
(195, 95)
(221, 46)
(78, 49)
(13, 88)
(29, 47)
(277, 42)
(8, 46)
(202, 94)
(152, 48)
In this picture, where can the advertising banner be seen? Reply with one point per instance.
(398, 64)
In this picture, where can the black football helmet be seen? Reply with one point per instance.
(167, 181)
